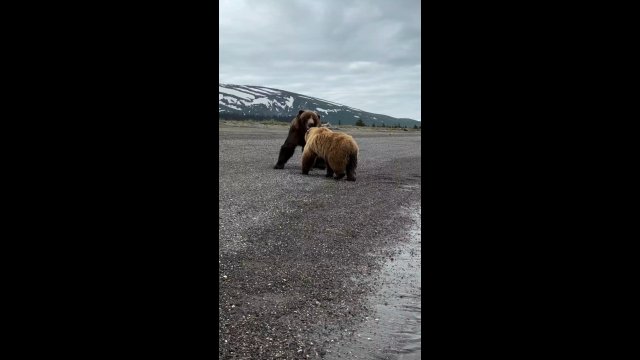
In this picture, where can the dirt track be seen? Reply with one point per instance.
(299, 254)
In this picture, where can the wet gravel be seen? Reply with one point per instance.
(298, 253)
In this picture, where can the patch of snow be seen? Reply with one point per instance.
(262, 93)
(332, 103)
(252, 90)
(270, 91)
(234, 107)
(236, 93)
(323, 110)
(290, 102)
(229, 99)
(262, 100)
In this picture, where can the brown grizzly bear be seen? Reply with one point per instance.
(339, 151)
(299, 125)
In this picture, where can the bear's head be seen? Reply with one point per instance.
(306, 119)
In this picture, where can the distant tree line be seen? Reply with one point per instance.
(256, 117)
(287, 118)
(396, 126)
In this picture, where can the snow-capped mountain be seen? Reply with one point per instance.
(259, 102)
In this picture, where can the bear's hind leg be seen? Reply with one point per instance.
(329, 171)
(320, 164)
(351, 167)
(339, 168)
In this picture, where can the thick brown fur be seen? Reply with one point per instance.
(305, 120)
(339, 151)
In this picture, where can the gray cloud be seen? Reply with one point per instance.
(365, 54)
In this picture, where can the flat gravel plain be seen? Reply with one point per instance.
(300, 255)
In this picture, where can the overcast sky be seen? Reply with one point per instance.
(364, 54)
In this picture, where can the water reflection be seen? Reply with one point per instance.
(393, 331)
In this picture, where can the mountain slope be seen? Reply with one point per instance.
(245, 101)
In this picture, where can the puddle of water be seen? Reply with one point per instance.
(393, 329)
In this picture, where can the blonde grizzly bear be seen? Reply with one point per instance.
(339, 151)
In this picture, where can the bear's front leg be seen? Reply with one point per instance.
(319, 163)
(308, 158)
(286, 152)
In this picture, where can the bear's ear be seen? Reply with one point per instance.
(300, 112)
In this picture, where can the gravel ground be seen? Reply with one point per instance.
(299, 254)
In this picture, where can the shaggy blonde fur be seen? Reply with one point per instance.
(339, 151)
